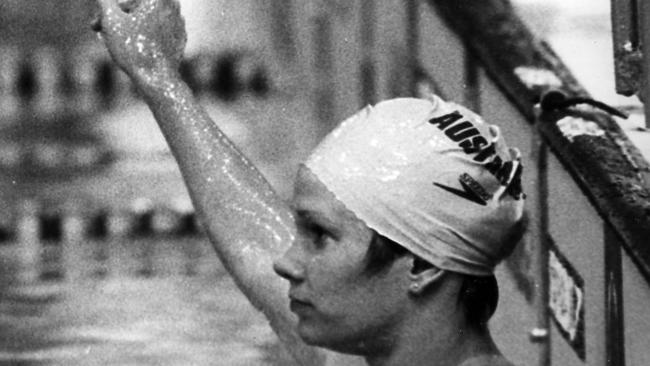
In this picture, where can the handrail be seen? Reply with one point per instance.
(609, 169)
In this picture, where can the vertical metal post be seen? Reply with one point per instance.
(631, 40)
(625, 39)
(645, 31)
(412, 44)
(541, 333)
(368, 21)
(614, 326)
(324, 70)
(282, 29)
(472, 82)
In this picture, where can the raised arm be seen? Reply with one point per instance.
(246, 221)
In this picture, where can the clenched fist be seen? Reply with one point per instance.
(146, 38)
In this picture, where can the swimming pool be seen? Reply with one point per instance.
(133, 302)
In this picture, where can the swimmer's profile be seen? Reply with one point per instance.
(385, 254)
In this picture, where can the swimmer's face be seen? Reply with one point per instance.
(339, 305)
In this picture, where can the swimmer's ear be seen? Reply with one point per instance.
(423, 275)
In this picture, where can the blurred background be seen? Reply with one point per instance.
(102, 261)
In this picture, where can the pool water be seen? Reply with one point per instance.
(156, 302)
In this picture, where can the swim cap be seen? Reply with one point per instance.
(429, 175)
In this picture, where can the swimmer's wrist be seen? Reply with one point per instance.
(159, 83)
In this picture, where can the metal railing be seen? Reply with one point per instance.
(611, 171)
(630, 32)
(601, 162)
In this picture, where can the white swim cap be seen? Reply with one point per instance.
(429, 175)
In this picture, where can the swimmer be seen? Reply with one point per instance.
(385, 254)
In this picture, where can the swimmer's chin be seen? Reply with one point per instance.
(312, 338)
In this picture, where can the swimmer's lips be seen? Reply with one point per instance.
(297, 306)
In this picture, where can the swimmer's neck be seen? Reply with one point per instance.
(436, 341)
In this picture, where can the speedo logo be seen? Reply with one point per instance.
(469, 139)
(471, 191)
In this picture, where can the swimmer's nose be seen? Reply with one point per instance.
(288, 266)
(96, 23)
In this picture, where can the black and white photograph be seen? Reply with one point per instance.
(324, 182)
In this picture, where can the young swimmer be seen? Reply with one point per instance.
(390, 241)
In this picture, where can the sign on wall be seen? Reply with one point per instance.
(566, 300)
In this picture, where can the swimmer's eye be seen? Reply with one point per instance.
(311, 228)
(318, 234)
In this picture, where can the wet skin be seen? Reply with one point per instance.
(338, 305)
